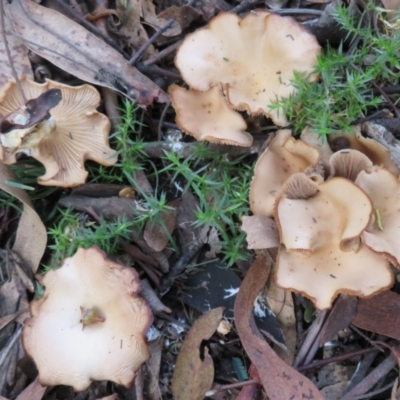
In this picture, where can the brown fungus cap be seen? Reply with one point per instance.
(321, 254)
(253, 58)
(90, 324)
(383, 188)
(377, 153)
(349, 163)
(206, 116)
(283, 157)
(75, 132)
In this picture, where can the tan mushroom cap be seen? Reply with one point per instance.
(349, 163)
(206, 116)
(377, 153)
(283, 157)
(253, 57)
(321, 253)
(67, 352)
(75, 132)
(383, 188)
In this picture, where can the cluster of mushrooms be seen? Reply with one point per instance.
(337, 213)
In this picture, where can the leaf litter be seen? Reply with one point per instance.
(179, 243)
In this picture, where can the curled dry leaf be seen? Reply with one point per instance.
(194, 376)
(34, 391)
(253, 58)
(69, 133)
(71, 47)
(31, 238)
(280, 381)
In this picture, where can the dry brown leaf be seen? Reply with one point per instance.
(152, 377)
(261, 232)
(34, 391)
(184, 15)
(192, 376)
(280, 301)
(150, 17)
(339, 318)
(4, 321)
(31, 237)
(111, 397)
(157, 234)
(280, 381)
(19, 56)
(72, 48)
(129, 25)
(380, 314)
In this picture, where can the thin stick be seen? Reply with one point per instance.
(136, 57)
(163, 53)
(10, 61)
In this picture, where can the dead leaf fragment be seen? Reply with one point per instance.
(156, 22)
(19, 56)
(192, 376)
(35, 391)
(71, 47)
(158, 233)
(280, 381)
(261, 231)
(31, 237)
(380, 314)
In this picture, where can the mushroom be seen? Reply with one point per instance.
(72, 133)
(254, 58)
(90, 324)
(377, 153)
(321, 253)
(206, 116)
(349, 163)
(283, 157)
(383, 188)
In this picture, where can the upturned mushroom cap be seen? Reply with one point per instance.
(253, 57)
(383, 188)
(283, 157)
(75, 132)
(377, 153)
(349, 163)
(90, 324)
(321, 253)
(206, 116)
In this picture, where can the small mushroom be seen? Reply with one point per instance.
(383, 188)
(377, 153)
(321, 253)
(283, 157)
(72, 133)
(253, 58)
(349, 163)
(90, 325)
(206, 116)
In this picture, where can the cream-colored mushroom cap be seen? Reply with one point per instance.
(253, 57)
(349, 163)
(75, 132)
(65, 336)
(383, 188)
(321, 254)
(283, 157)
(206, 116)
